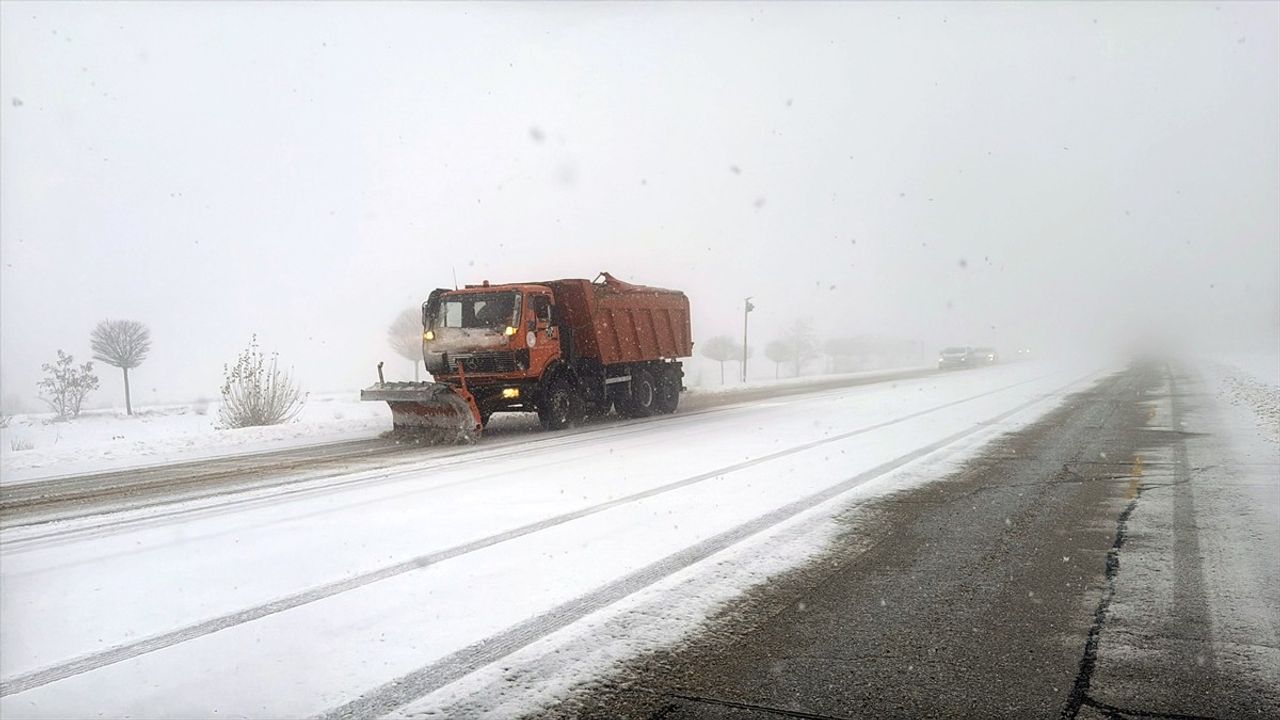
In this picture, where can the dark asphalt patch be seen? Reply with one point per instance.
(984, 595)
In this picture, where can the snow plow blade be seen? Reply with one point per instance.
(435, 412)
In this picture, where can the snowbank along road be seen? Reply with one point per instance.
(491, 582)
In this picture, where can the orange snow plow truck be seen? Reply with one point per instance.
(565, 349)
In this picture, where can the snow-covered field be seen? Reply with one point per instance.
(33, 446)
(433, 584)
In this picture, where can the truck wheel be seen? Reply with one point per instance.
(597, 410)
(561, 407)
(668, 391)
(643, 400)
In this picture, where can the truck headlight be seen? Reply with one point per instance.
(428, 335)
(510, 331)
(510, 393)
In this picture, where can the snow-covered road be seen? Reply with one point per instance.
(386, 590)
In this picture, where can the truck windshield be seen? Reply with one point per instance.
(479, 310)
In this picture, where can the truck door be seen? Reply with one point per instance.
(542, 338)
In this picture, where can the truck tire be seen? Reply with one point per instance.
(668, 391)
(561, 407)
(643, 399)
(597, 410)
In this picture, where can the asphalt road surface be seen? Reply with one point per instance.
(1073, 570)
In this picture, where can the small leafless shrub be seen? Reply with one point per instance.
(65, 385)
(18, 444)
(256, 392)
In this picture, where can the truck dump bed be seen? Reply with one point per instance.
(618, 322)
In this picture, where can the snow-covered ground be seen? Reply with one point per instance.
(413, 589)
(1251, 382)
(33, 447)
(1262, 367)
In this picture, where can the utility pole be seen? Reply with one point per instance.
(747, 307)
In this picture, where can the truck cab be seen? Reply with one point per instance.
(499, 339)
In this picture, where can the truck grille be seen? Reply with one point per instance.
(488, 362)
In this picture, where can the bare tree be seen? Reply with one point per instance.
(803, 343)
(405, 336)
(722, 349)
(123, 344)
(255, 391)
(65, 386)
(778, 351)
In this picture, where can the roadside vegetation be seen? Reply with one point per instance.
(256, 391)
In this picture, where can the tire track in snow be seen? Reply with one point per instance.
(314, 485)
(93, 661)
(196, 475)
(412, 686)
(340, 480)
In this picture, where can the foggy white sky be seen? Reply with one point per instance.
(305, 171)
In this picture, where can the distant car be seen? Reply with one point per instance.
(1024, 353)
(986, 356)
(955, 358)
